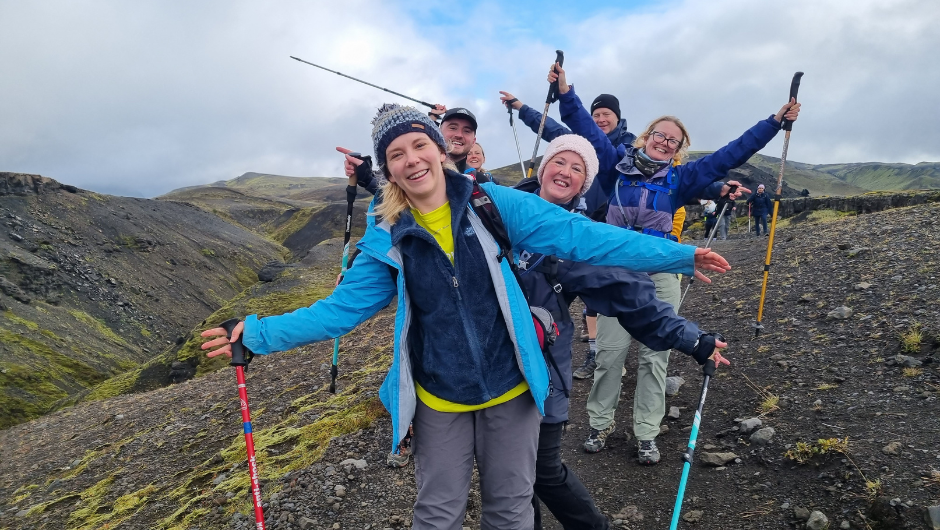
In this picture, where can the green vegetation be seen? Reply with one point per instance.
(298, 220)
(208, 252)
(806, 451)
(911, 339)
(99, 326)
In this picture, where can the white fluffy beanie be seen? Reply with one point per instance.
(576, 144)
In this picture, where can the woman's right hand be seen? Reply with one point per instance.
(557, 73)
(223, 340)
(506, 97)
(717, 357)
(349, 165)
(789, 111)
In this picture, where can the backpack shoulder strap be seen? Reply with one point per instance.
(486, 210)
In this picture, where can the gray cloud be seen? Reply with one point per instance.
(137, 98)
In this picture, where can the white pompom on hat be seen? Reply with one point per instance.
(576, 144)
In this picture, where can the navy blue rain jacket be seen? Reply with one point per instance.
(760, 204)
(612, 291)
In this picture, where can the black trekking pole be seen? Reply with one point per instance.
(240, 361)
(366, 165)
(363, 82)
(707, 243)
(551, 98)
(708, 370)
(787, 126)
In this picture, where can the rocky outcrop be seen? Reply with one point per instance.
(27, 184)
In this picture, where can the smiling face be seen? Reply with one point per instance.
(605, 119)
(563, 178)
(475, 157)
(664, 141)
(414, 163)
(460, 137)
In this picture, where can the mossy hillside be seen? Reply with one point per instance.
(281, 229)
(41, 365)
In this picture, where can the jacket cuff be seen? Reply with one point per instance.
(774, 123)
(251, 335)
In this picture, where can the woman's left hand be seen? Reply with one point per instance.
(711, 261)
(734, 196)
(789, 111)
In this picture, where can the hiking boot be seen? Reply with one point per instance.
(400, 459)
(648, 452)
(598, 439)
(586, 371)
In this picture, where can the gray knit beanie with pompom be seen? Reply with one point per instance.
(393, 120)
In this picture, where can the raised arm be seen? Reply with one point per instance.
(533, 118)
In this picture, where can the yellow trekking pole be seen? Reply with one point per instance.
(787, 126)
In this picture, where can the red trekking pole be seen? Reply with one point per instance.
(240, 362)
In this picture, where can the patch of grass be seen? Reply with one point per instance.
(298, 220)
(804, 452)
(28, 324)
(827, 386)
(873, 489)
(911, 339)
(99, 326)
(769, 402)
(114, 386)
(92, 501)
(208, 252)
(912, 372)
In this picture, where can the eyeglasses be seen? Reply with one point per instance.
(661, 138)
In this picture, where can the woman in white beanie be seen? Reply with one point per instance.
(467, 370)
(565, 174)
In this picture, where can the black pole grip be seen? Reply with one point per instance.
(786, 124)
(238, 349)
(553, 89)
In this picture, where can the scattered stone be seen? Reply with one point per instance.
(673, 413)
(843, 246)
(358, 464)
(629, 514)
(857, 251)
(673, 384)
(749, 425)
(845, 525)
(801, 513)
(763, 436)
(908, 362)
(863, 286)
(717, 459)
(22, 513)
(693, 516)
(806, 299)
(817, 521)
(340, 491)
(663, 429)
(892, 448)
(840, 313)
(219, 479)
(932, 516)
(307, 524)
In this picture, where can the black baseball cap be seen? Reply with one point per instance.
(460, 112)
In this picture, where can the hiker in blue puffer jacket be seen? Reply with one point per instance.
(646, 187)
(467, 369)
(565, 174)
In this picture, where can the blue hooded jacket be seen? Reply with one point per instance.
(369, 286)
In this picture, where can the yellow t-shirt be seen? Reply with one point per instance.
(437, 223)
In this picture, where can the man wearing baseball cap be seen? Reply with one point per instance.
(459, 127)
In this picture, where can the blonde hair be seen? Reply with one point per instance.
(394, 200)
(683, 150)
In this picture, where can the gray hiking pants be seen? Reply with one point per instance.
(504, 440)
(649, 399)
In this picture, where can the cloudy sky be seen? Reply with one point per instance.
(139, 98)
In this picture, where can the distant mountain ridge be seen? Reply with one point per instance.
(820, 179)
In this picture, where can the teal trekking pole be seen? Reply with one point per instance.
(709, 370)
(350, 199)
